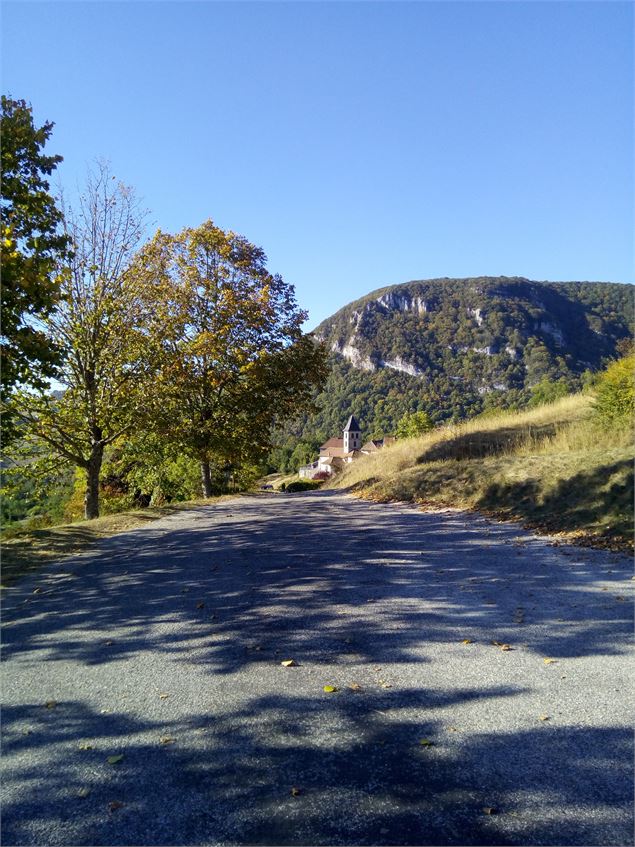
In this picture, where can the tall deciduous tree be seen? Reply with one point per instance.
(32, 244)
(234, 357)
(97, 323)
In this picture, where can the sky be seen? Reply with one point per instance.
(360, 144)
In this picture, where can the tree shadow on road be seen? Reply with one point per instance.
(319, 586)
(327, 586)
(228, 778)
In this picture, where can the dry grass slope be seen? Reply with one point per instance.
(549, 467)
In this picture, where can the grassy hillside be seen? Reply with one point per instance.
(549, 467)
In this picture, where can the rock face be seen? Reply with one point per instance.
(350, 352)
(403, 301)
(398, 364)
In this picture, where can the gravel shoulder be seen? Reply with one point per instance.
(507, 654)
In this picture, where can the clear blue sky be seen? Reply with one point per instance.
(360, 144)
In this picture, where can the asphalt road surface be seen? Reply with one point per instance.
(483, 683)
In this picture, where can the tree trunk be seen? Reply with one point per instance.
(206, 479)
(91, 501)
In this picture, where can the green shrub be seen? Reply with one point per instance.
(303, 485)
(548, 391)
(413, 424)
(615, 394)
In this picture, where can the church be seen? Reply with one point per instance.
(337, 452)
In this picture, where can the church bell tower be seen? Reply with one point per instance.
(352, 435)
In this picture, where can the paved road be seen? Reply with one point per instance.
(165, 647)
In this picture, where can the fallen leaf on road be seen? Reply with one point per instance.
(83, 792)
(549, 661)
(200, 605)
(163, 696)
(355, 686)
(37, 590)
(504, 647)
(86, 746)
(490, 810)
(330, 689)
(295, 792)
(467, 641)
(544, 717)
(452, 729)
(289, 663)
(425, 742)
(114, 760)
(51, 704)
(114, 805)
(167, 739)
(384, 684)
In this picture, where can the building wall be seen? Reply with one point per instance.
(352, 440)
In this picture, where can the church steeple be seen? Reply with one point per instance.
(352, 435)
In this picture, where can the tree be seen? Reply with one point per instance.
(32, 246)
(615, 394)
(234, 360)
(98, 324)
(304, 452)
(413, 424)
(548, 391)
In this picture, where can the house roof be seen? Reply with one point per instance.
(352, 425)
(373, 445)
(332, 452)
(332, 460)
(332, 443)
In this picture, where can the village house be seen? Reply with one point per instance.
(337, 452)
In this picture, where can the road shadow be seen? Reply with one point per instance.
(312, 578)
(228, 779)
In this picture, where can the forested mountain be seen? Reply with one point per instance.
(455, 347)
